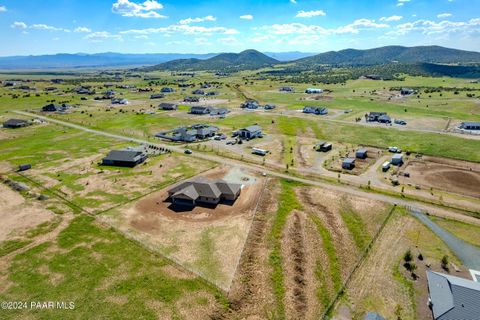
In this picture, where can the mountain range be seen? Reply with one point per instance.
(249, 59)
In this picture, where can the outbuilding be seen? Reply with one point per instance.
(323, 146)
(168, 106)
(124, 158)
(361, 153)
(16, 123)
(348, 163)
(250, 132)
(397, 160)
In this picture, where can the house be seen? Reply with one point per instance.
(167, 106)
(124, 158)
(167, 90)
(211, 93)
(200, 110)
(250, 104)
(251, 132)
(384, 119)
(157, 96)
(314, 91)
(15, 123)
(397, 159)
(406, 91)
(287, 89)
(189, 134)
(348, 163)
(204, 191)
(206, 85)
(470, 126)
(452, 298)
(9, 84)
(198, 92)
(119, 101)
(361, 153)
(373, 116)
(269, 106)
(191, 99)
(315, 110)
(55, 107)
(84, 90)
(323, 146)
(219, 111)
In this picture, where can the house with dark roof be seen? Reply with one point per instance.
(191, 99)
(287, 89)
(323, 146)
(250, 104)
(167, 90)
(198, 91)
(406, 91)
(470, 126)
(167, 106)
(361, 153)
(55, 107)
(157, 96)
(204, 191)
(16, 123)
(250, 132)
(124, 158)
(384, 119)
(453, 298)
(315, 110)
(374, 116)
(200, 110)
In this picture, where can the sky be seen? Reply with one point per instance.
(33, 27)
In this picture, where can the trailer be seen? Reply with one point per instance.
(260, 152)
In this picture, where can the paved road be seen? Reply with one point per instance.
(469, 254)
(258, 168)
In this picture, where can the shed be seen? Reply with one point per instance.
(24, 167)
(361, 153)
(167, 106)
(397, 160)
(348, 163)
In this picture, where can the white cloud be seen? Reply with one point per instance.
(428, 27)
(391, 18)
(47, 27)
(147, 9)
(182, 29)
(293, 1)
(444, 15)
(3, 9)
(402, 2)
(302, 29)
(82, 29)
(309, 14)
(19, 25)
(192, 20)
(246, 17)
(102, 36)
(232, 41)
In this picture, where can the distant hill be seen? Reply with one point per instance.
(82, 60)
(245, 60)
(289, 56)
(384, 55)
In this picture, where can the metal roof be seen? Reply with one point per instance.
(349, 160)
(123, 155)
(453, 297)
(253, 128)
(205, 188)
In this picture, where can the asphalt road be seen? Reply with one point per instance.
(260, 169)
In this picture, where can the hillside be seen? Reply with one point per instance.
(245, 60)
(389, 54)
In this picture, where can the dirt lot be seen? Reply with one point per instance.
(361, 165)
(445, 174)
(208, 241)
(17, 215)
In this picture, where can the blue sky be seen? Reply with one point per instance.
(132, 26)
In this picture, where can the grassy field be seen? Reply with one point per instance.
(96, 269)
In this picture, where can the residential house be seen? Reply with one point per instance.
(198, 92)
(314, 91)
(119, 101)
(470, 126)
(407, 91)
(250, 132)
(269, 106)
(191, 99)
(157, 96)
(167, 90)
(373, 116)
(124, 158)
(55, 107)
(384, 119)
(348, 163)
(167, 106)
(315, 110)
(15, 123)
(200, 110)
(453, 298)
(204, 191)
(250, 104)
(287, 89)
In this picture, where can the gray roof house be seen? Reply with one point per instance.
(397, 159)
(361, 153)
(200, 110)
(316, 110)
(250, 132)
(470, 125)
(124, 158)
(15, 123)
(204, 191)
(373, 116)
(348, 163)
(168, 106)
(453, 298)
